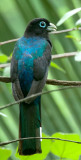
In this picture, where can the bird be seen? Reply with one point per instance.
(29, 68)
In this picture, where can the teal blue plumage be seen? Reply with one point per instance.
(29, 67)
(26, 50)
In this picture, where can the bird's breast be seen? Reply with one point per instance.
(27, 51)
(33, 46)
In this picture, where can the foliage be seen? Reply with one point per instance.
(68, 15)
(5, 153)
(61, 112)
(78, 22)
(78, 57)
(3, 58)
(68, 150)
(62, 149)
(2, 114)
(57, 66)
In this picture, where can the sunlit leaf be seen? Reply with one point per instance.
(68, 15)
(62, 149)
(66, 149)
(57, 66)
(46, 147)
(72, 37)
(2, 114)
(78, 23)
(6, 71)
(4, 153)
(3, 58)
(78, 57)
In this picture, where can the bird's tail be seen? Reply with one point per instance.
(29, 126)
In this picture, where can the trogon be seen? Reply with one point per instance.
(29, 67)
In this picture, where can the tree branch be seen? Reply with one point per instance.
(9, 41)
(49, 81)
(5, 79)
(66, 30)
(35, 95)
(47, 138)
(64, 55)
(64, 83)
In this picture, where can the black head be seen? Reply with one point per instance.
(39, 27)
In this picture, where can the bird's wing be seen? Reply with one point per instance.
(17, 92)
(14, 69)
(40, 72)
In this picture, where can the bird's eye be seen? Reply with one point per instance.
(42, 24)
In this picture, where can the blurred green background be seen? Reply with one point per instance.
(61, 111)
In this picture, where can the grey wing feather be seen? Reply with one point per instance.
(40, 73)
(17, 92)
(13, 69)
(36, 87)
(16, 89)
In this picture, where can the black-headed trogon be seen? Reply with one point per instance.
(29, 67)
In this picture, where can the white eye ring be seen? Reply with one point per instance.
(42, 24)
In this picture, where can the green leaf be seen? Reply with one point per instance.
(62, 149)
(72, 37)
(68, 15)
(4, 153)
(78, 57)
(46, 147)
(57, 67)
(65, 149)
(78, 22)
(3, 58)
(2, 114)
(6, 72)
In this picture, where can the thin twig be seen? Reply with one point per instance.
(46, 138)
(64, 55)
(55, 32)
(35, 95)
(66, 30)
(9, 41)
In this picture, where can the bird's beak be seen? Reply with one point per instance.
(51, 27)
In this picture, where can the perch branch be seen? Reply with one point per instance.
(5, 79)
(49, 81)
(64, 83)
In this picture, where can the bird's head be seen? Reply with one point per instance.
(39, 27)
